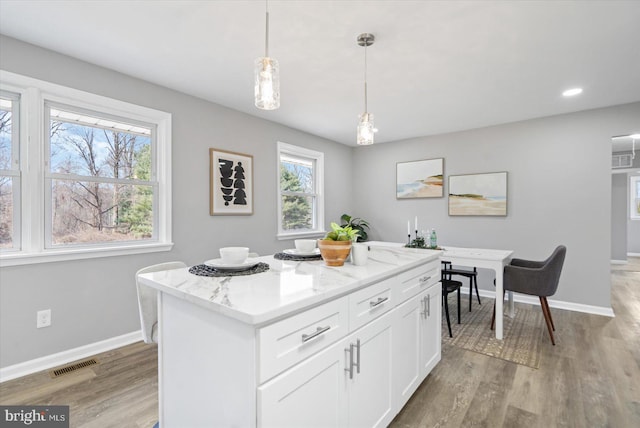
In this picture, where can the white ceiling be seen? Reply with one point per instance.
(436, 66)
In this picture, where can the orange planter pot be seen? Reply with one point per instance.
(334, 253)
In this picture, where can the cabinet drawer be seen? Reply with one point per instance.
(416, 280)
(369, 303)
(287, 342)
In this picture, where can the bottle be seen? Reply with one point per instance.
(433, 239)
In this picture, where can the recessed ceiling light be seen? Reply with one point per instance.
(635, 136)
(571, 92)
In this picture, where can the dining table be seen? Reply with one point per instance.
(486, 258)
(492, 259)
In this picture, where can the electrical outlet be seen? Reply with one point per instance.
(43, 318)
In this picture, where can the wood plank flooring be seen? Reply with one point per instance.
(591, 378)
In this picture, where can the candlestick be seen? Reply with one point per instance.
(409, 239)
(416, 223)
(416, 233)
(409, 227)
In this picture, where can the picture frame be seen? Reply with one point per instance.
(420, 179)
(482, 194)
(230, 183)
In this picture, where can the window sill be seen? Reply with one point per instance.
(66, 254)
(299, 235)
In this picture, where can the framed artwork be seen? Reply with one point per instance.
(478, 194)
(230, 183)
(420, 179)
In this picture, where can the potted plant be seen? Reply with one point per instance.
(356, 223)
(336, 245)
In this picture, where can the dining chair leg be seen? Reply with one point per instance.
(475, 283)
(446, 311)
(546, 304)
(493, 317)
(547, 316)
(470, 292)
(458, 305)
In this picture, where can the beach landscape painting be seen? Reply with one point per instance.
(478, 194)
(419, 179)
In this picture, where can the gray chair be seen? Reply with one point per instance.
(536, 279)
(148, 301)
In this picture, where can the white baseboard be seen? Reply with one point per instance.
(619, 262)
(633, 254)
(64, 357)
(559, 304)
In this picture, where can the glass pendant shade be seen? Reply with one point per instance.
(267, 83)
(365, 129)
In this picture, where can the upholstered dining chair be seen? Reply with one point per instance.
(536, 279)
(148, 301)
(448, 287)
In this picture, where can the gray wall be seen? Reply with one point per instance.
(619, 216)
(559, 190)
(95, 299)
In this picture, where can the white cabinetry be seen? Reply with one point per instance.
(351, 359)
(346, 385)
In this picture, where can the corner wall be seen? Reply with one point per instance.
(559, 190)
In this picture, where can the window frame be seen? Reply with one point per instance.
(14, 172)
(318, 191)
(634, 200)
(33, 129)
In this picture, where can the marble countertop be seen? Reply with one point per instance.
(287, 287)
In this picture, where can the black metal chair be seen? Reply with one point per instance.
(448, 287)
(537, 279)
(472, 275)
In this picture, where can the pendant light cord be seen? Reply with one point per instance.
(365, 78)
(266, 31)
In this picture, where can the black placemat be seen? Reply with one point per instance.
(204, 270)
(292, 257)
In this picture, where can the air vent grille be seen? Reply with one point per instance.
(621, 161)
(72, 367)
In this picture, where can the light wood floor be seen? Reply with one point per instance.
(591, 378)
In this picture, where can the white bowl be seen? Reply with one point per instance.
(234, 255)
(305, 245)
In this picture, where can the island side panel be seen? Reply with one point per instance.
(207, 367)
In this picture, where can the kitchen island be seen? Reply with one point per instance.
(300, 345)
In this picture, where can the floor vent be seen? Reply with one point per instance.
(72, 367)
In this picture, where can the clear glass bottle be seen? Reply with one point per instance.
(433, 239)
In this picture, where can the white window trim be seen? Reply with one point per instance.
(34, 92)
(319, 231)
(634, 181)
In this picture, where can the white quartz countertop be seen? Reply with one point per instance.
(287, 287)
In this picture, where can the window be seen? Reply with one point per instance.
(300, 196)
(102, 184)
(634, 197)
(9, 171)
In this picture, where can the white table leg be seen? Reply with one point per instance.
(512, 305)
(499, 303)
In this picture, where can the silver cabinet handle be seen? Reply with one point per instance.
(424, 279)
(350, 369)
(358, 358)
(318, 332)
(379, 301)
(428, 305)
(423, 312)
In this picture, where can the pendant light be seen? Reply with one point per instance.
(267, 75)
(365, 130)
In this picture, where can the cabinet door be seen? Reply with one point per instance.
(407, 327)
(430, 332)
(311, 394)
(370, 393)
